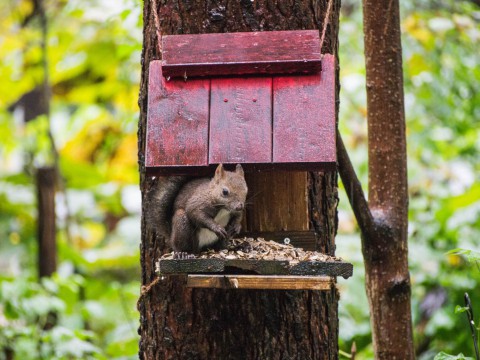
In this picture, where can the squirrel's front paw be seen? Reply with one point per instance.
(220, 232)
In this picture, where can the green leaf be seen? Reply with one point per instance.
(41, 305)
(460, 309)
(471, 255)
(451, 204)
(445, 356)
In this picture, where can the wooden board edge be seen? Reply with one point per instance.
(174, 266)
(266, 282)
(248, 167)
(258, 267)
(153, 69)
(291, 67)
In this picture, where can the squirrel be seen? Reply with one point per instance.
(203, 212)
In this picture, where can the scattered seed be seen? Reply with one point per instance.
(261, 249)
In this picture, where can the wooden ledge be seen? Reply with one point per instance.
(254, 267)
(261, 282)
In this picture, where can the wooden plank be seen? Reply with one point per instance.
(183, 266)
(177, 120)
(260, 267)
(342, 269)
(261, 282)
(263, 267)
(304, 116)
(241, 120)
(279, 202)
(269, 52)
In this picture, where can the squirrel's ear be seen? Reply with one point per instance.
(219, 173)
(239, 170)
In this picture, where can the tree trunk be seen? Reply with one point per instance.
(385, 248)
(181, 323)
(47, 245)
(9, 353)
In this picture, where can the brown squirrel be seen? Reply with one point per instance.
(203, 212)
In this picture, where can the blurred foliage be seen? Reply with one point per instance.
(442, 96)
(444, 356)
(87, 310)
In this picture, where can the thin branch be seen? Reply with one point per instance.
(353, 187)
(471, 323)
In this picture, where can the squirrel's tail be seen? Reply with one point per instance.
(163, 198)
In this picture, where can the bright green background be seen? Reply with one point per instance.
(94, 51)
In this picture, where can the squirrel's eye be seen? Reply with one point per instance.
(225, 192)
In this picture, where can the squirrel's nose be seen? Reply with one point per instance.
(239, 207)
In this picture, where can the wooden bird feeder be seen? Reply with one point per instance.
(262, 99)
(265, 100)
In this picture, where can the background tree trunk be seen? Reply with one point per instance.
(47, 244)
(385, 248)
(181, 323)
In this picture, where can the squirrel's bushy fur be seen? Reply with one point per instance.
(163, 199)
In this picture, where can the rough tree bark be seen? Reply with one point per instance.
(181, 323)
(384, 219)
(386, 249)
